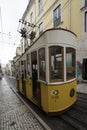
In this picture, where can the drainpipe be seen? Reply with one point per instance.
(69, 19)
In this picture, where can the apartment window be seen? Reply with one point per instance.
(40, 28)
(57, 16)
(85, 21)
(85, 2)
(31, 17)
(40, 8)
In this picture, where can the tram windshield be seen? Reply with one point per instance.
(56, 63)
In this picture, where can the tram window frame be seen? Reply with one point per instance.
(42, 64)
(70, 63)
(58, 71)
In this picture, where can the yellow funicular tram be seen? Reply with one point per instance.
(47, 71)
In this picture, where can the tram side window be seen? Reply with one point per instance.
(42, 68)
(70, 63)
(56, 63)
(28, 64)
(20, 69)
(16, 71)
(34, 63)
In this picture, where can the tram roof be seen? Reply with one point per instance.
(58, 29)
(48, 30)
(49, 36)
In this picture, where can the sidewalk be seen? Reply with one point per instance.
(82, 87)
(14, 115)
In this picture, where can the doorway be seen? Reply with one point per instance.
(35, 83)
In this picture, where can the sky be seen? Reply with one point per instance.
(10, 13)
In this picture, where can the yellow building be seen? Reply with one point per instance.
(41, 15)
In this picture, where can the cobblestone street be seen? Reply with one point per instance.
(14, 115)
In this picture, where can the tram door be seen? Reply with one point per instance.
(35, 84)
(23, 63)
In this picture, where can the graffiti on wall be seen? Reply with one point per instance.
(79, 68)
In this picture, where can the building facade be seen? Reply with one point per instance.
(41, 15)
(10, 68)
(18, 51)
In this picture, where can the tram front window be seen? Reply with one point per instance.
(56, 63)
(70, 63)
(42, 72)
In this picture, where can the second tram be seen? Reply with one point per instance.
(46, 72)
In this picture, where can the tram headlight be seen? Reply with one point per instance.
(55, 92)
(72, 92)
